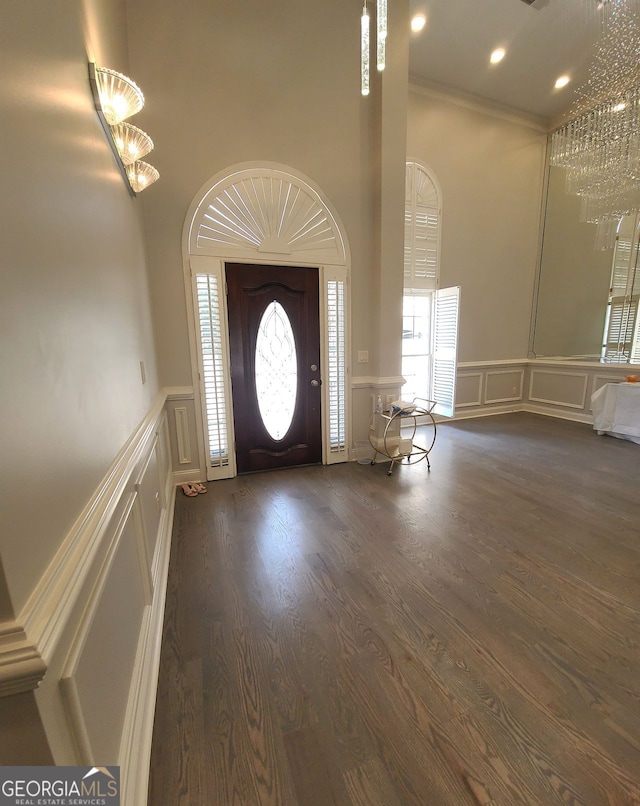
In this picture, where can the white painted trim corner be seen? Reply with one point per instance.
(21, 666)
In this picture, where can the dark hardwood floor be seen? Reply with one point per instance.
(465, 636)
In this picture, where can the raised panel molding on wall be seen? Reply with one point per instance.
(182, 435)
(103, 651)
(558, 388)
(148, 512)
(469, 389)
(503, 385)
(600, 380)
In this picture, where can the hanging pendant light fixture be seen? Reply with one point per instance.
(381, 43)
(381, 20)
(364, 50)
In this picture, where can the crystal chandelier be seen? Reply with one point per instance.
(600, 146)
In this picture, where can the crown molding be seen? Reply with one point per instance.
(476, 103)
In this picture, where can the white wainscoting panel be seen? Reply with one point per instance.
(469, 389)
(97, 676)
(503, 385)
(600, 380)
(182, 435)
(149, 490)
(558, 388)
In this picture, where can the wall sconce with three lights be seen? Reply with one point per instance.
(116, 99)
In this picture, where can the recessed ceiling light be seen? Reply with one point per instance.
(418, 22)
(498, 55)
(561, 82)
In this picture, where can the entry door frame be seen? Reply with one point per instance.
(252, 289)
(201, 264)
(293, 225)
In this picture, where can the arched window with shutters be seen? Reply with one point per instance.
(430, 314)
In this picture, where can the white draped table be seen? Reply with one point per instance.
(616, 410)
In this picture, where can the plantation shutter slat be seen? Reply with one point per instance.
(447, 306)
(213, 376)
(621, 336)
(622, 327)
(336, 374)
(421, 224)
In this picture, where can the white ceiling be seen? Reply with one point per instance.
(543, 41)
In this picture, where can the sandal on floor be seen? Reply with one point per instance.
(187, 489)
(199, 488)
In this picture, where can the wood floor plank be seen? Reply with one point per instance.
(465, 636)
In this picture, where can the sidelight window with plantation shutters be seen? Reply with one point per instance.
(336, 374)
(209, 309)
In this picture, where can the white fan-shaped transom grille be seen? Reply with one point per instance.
(265, 210)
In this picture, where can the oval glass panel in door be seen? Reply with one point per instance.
(276, 369)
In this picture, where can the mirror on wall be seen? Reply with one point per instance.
(587, 303)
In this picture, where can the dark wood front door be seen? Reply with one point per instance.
(274, 342)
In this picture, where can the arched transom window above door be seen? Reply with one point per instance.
(266, 211)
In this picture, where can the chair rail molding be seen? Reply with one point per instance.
(21, 665)
(371, 381)
(46, 612)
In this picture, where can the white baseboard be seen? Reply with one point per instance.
(482, 411)
(187, 476)
(563, 414)
(532, 408)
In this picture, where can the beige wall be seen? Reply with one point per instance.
(74, 304)
(24, 742)
(574, 280)
(490, 169)
(236, 82)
